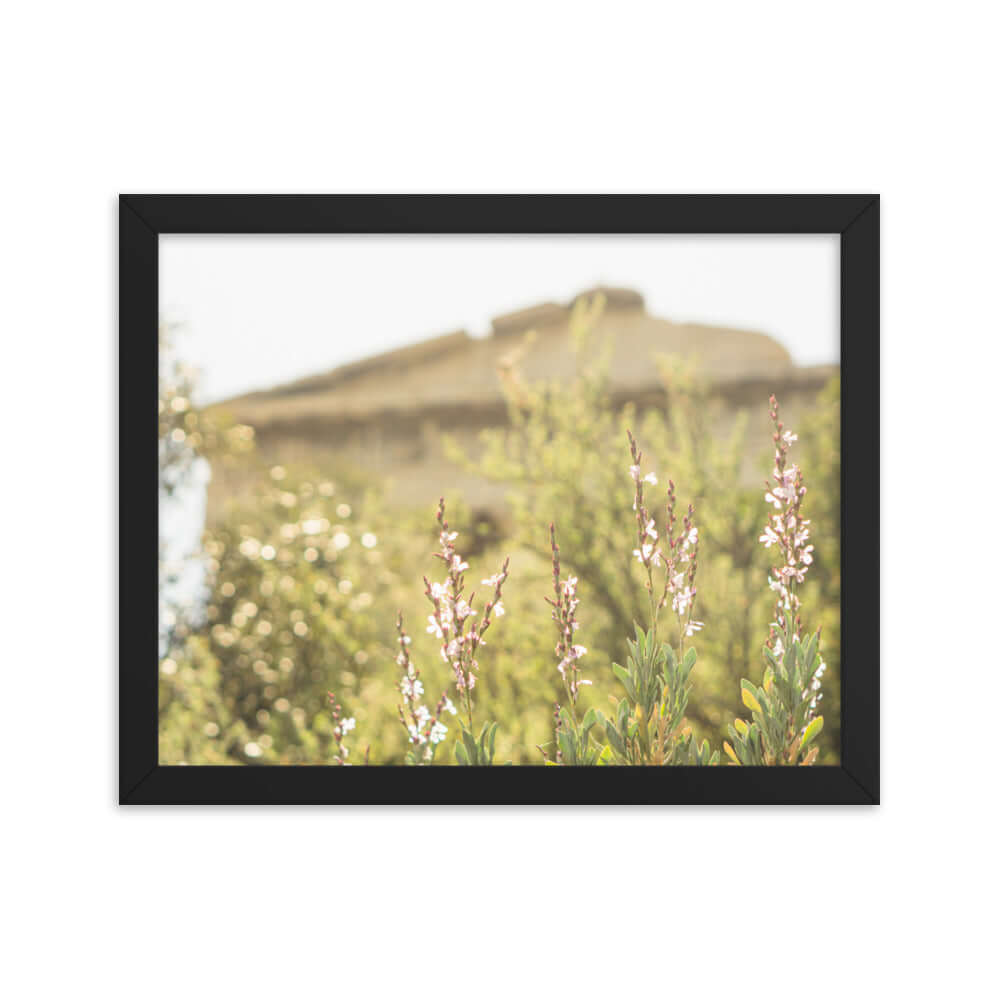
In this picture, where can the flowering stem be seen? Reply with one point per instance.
(680, 556)
(564, 615)
(453, 612)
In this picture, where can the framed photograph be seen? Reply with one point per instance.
(499, 499)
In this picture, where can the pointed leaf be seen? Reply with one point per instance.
(566, 745)
(750, 701)
(470, 746)
(622, 674)
(812, 730)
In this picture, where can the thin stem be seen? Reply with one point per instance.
(654, 610)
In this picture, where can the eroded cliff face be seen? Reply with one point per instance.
(386, 414)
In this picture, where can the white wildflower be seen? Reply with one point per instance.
(682, 600)
(769, 537)
(648, 553)
(411, 687)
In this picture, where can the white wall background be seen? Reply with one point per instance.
(894, 901)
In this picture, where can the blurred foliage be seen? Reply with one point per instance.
(187, 434)
(564, 458)
(190, 440)
(308, 569)
(304, 575)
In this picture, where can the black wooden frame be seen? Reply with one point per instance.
(143, 217)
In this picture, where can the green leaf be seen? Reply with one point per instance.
(749, 698)
(470, 746)
(622, 674)
(812, 730)
(566, 745)
(622, 717)
(792, 654)
(460, 755)
(811, 649)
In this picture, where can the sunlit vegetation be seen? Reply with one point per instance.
(640, 618)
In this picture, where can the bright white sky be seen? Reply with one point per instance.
(261, 310)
